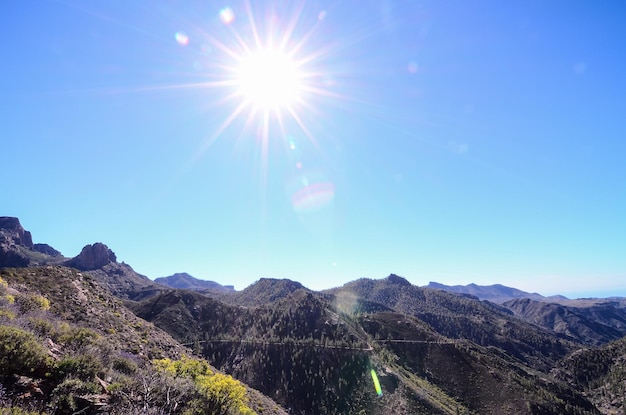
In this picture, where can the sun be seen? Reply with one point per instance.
(269, 79)
(271, 73)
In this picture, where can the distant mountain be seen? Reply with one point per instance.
(460, 317)
(17, 248)
(263, 291)
(496, 293)
(186, 281)
(119, 278)
(592, 323)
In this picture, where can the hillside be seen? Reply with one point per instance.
(461, 317)
(313, 352)
(600, 373)
(99, 337)
(263, 291)
(68, 346)
(591, 324)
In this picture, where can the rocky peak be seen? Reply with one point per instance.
(12, 231)
(93, 257)
(395, 279)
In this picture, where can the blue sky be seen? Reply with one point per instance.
(458, 142)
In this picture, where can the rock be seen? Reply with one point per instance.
(395, 279)
(46, 249)
(12, 230)
(17, 248)
(92, 257)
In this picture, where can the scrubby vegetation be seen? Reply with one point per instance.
(75, 349)
(314, 352)
(68, 346)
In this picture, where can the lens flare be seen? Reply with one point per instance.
(227, 15)
(379, 391)
(313, 197)
(181, 38)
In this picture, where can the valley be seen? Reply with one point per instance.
(98, 337)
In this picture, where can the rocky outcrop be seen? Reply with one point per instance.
(92, 257)
(397, 280)
(46, 249)
(14, 240)
(12, 232)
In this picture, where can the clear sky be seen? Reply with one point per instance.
(323, 141)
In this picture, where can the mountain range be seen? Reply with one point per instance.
(95, 336)
(496, 293)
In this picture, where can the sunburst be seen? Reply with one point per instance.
(270, 74)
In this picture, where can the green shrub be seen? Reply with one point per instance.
(77, 337)
(29, 303)
(125, 366)
(21, 353)
(217, 394)
(64, 396)
(6, 314)
(84, 367)
(42, 326)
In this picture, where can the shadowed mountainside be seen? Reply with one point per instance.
(313, 353)
(593, 325)
(600, 372)
(461, 317)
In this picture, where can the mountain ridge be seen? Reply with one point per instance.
(434, 351)
(496, 293)
(187, 281)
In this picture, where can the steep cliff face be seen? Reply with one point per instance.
(92, 257)
(11, 231)
(17, 248)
